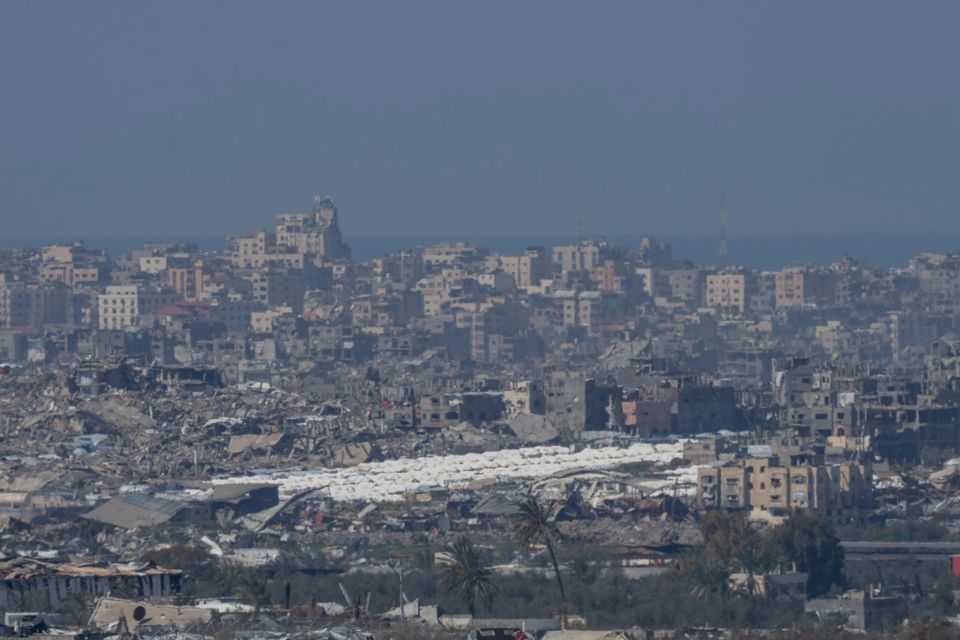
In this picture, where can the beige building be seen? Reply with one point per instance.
(769, 489)
(57, 253)
(727, 291)
(186, 280)
(69, 274)
(588, 309)
(316, 233)
(447, 254)
(789, 288)
(676, 283)
(493, 328)
(75, 254)
(499, 281)
(577, 257)
(527, 270)
(286, 258)
(435, 301)
(799, 286)
(299, 239)
(153, 264)
(73, 265)
(525, 397)
(579, 308)
(265, 321)
(243, 250)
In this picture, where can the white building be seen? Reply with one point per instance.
(122, 305)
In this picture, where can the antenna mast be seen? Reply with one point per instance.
(723, 230)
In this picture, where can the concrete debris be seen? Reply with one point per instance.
(108, 611)
(275, 410)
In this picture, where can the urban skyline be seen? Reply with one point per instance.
(423, 321)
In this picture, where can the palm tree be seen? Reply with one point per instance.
(228, 576)
(462, 572)
(753, 559)
(254, 589)
(709, 575)
(536, 524)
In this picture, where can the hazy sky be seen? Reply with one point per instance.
(207, 118)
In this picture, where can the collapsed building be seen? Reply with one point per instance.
(33, 585)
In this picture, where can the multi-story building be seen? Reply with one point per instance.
(525, 396)
(494, 330)
(246, 251)
(234, 314)
(938, 275)
(770, 489)
(799, 286)
(447, 254)
(279, 288)
(186, 279)
(588, 309)
(677, 283)
(763, 293)
(581, 403)
(727, 290)
(16, 305)
(316, 233)
(611, 276)
(33, 305)
(584, 256)
(121, 306)
(527, 270)
(683, 283)
(153, 264)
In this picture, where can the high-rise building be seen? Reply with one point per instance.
(316, 233)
